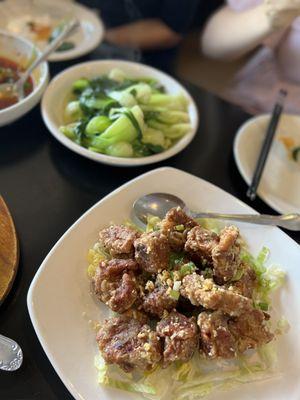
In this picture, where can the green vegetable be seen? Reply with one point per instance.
(73, 111)
(79, 85)
(263, 306)
(69, 130)
(179, 228)
(152, 223)
(110, 109)
(296, 153)
(154, 137)
(169, 101)
(120, 149)
(188, 268)
(65, 46)
(174, 294)
(121, 130)
(117, 74)
(97, 125)
(175, 260)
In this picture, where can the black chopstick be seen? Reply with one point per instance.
(265, 149)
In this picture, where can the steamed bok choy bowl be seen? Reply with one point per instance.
(124, 117)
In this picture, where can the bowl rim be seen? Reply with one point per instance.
(106, 159)
(44, 73)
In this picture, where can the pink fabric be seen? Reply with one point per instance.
(256, 86)
(276, 65)
(242, 5)
(288, 54)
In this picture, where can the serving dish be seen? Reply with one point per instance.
(21, 52)
(279, 186)
(19, 16)
(62, 309)
(56, 95)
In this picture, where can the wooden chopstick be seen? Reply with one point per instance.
(265, 149)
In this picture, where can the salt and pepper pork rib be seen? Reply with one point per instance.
(128, 341)
(141, 275)
(180, 337)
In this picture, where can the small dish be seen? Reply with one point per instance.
(17, 16)
(279, 186)
(57, 92)
(60, 304)
(21, 52)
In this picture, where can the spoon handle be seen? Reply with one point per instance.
(287, 221)
(11, 356)
(69, 27)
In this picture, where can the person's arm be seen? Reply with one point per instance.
(145, 34)
(229, 35)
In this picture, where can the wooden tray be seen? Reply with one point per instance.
(9, 250)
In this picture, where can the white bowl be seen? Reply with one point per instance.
(21, 50)
(60, 303)
(55, 96)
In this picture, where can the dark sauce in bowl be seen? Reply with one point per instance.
(9, 73)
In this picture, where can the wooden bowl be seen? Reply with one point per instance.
(9, 250)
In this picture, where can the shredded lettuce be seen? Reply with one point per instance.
(94, 256)
(127, 383)
(152, 223)
(269, 279)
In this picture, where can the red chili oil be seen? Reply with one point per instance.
(10, 72)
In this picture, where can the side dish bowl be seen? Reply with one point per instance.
(21, 52)
(57, 93)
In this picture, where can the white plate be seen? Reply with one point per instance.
(54, 100)
(280, 183)
(60, 303)
(15, 14)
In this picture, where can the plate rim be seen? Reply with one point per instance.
(42, 266)
(236, 145)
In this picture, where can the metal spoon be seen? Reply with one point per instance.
(11, 356)
(157, 204)
(17, 87)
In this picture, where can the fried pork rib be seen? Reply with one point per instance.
(118, 240)
(215, 338)
(225, 255)
(219, 251)
(250, 330)
(180, 337)
(175, 226)
(204, 292)
(246, 284)
(115, 284)
(200, 244)
(152, 252)
(130, 343)
(223, 336)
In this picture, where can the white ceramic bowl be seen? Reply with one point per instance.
(21, 50)
(56, 93)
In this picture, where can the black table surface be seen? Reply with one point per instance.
(47, 187)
